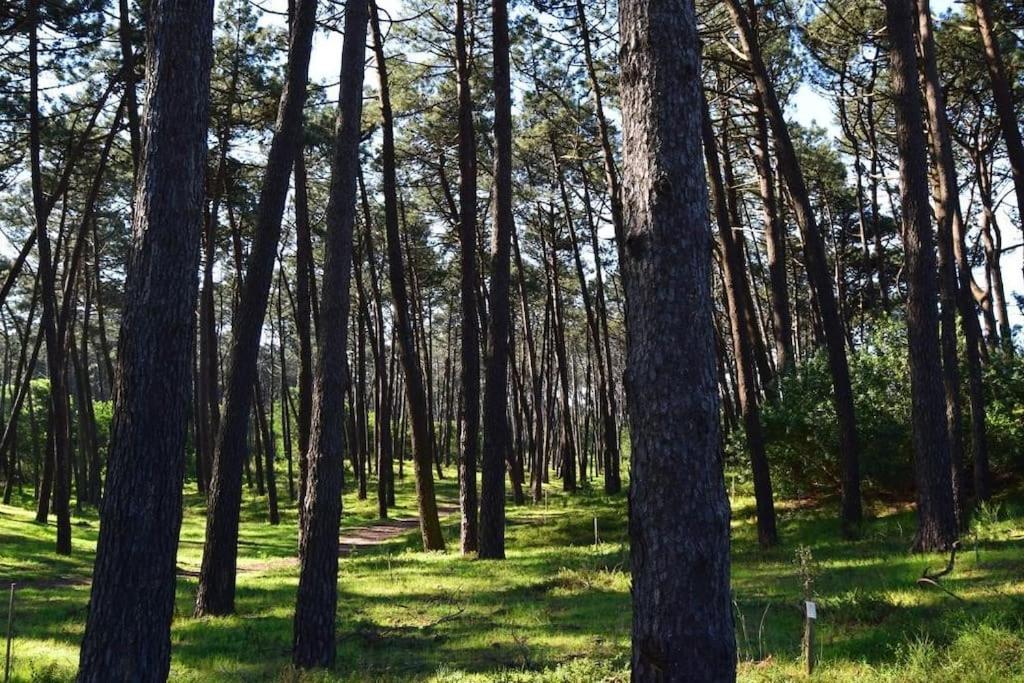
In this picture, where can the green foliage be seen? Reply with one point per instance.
(558, 609)
(803, 438)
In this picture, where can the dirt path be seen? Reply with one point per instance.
(350, 542)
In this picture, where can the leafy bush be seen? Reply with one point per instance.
(802, 435)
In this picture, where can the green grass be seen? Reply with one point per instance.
(558, 608)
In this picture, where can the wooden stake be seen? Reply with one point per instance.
(810, 614)
(10, 635)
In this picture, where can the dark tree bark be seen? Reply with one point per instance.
(953, 295)
(383, 418)
(775, 243)
(1009, 122)
(734, 282)
(127, 633)
(60, 421)
(566, 438)
(679, 515)
(303, 298)
(313, 643)
(416, 395)
(851, 512)
(935, 510)
(216, 594)
(497, 439)
(469, 377)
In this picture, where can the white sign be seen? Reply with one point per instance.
(811, 610)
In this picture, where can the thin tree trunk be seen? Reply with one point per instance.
(314, 639)
(497, 440)
(416, 395)
(935, 506)
(216, 593)
(734, 282)
(469, 377)
(851, 513)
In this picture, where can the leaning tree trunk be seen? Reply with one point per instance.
(216, 594)
(314, 641)
(416, 395)
(127, 632)
(851, 512)
(935, 510)
(679, 515)
(734, 282)
(951, 228)
(1009, 122)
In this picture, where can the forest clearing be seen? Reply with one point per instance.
(670, 341)
(558, 609)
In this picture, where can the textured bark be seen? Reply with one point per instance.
(953, 295)
(303, 298)
(679, 515)
(536, 384)
(469, 377)
(735, 285)
(851, 512)
(775, 245)
(935, 510)
(415, 392)
(313, 643)
(1009, 122)
(385, 442)
(127, 634)
(497, 439)
(216, 594)
(60, 421)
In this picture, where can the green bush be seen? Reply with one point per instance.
(802, 435)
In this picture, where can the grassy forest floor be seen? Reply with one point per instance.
(558, 608)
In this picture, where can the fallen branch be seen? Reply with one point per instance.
(928, 579)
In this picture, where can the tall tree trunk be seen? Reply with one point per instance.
(566, 437)
(935, 510)
(416, 395)
(127, 632)
(216, 593)
(950, 226)
(1009, 122)
(775, 243)
(269, 451)
(679, 515)
(851, 513)
(536, 382)
(469, 377)
(734, 282)
(383, 418)
(303, 299)
(59, 418)
(497, 440)
(314, 640)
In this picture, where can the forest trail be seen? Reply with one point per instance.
(351, 540)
